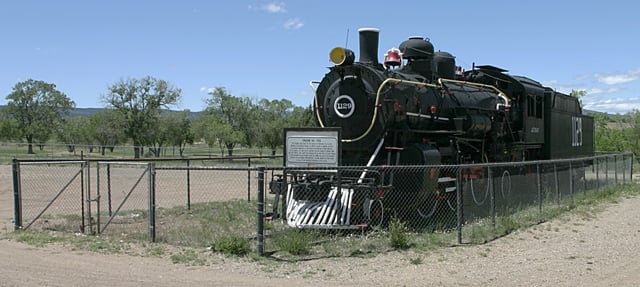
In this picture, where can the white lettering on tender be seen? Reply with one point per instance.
(576, 131)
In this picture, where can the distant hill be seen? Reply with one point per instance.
(88, 112)
(84, 112)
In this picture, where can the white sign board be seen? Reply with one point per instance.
(312, 147)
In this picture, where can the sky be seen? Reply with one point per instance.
(274, 49)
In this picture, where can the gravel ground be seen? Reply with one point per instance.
(577, 251)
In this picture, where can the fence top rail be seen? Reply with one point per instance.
(206, 168)
(122, 163)
(146, 161)
(469, 165)
(160, 159)
(37, 162)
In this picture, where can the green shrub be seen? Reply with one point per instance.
(232, 245)
(398, 236)
(295, 241)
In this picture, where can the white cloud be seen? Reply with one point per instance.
(595, 91)
(566, 89)
(612, 106)
(293, 24)
(273, 7)
(206, 90)
(563, 88)
(615, 78)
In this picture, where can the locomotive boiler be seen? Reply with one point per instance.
(417, 107)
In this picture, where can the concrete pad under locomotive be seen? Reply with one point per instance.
(405, 119)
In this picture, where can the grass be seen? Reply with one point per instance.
(232, 245)
(55, 150)
(188, 236)
(585, 206)
(295, 241)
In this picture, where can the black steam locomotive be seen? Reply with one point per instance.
(417, 107)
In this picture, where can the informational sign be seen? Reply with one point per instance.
(312, 147)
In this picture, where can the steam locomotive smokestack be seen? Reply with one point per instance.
(369, 45)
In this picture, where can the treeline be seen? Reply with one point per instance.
(138, 112)
(618, 133)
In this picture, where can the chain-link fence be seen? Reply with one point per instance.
(196, 202)
(190, 202)
(474, 200)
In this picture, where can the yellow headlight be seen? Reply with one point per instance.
(341, 56)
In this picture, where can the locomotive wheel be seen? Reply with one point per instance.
(505, 184)
(428, 208)
(476, 187)
(376, 213)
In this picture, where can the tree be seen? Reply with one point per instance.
(302, 117)
(578, 94)
(8, 126)
(74, 131)
(632, 133)
(108, 129)
(179, 132)
(274, 116)
(37, 107)
(608, 133)
(214, 131)
(158, 135)
(234, 124)
(140, 101)
(173, 128)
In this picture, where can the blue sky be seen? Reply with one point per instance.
(273, 49)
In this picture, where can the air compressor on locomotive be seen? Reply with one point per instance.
(417, 107)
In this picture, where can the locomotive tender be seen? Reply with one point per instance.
(417, 107)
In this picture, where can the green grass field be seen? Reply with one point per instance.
(57, 151)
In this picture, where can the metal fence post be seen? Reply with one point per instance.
(631, 169)
(615, 168)
(87, 166)
(17, 195)
(584, 177)
(555, 176)
(493, 197)
(249, 179)
(571, 178)
(597, 164)
(624, 169)
(284, 194)
(152, 201)
(538, 184)
(260, 213)
(109, 189)
(83, 200)
(188, 184)
(606, 171)
(98, 197)
(459, 204)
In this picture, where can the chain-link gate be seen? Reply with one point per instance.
(125, 206)
(50, 195)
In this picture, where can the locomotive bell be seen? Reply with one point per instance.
(341, 56)
(393, 58)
